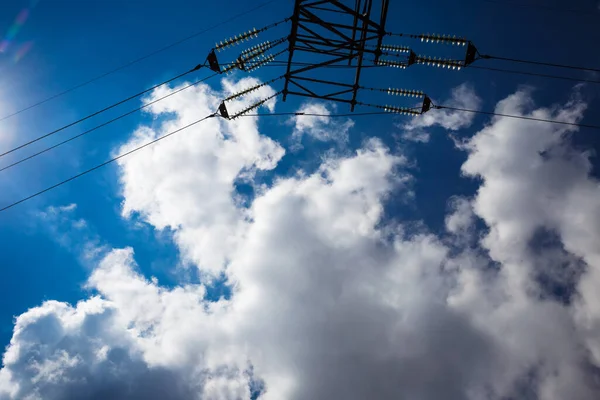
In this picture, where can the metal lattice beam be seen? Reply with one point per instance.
(332, 32)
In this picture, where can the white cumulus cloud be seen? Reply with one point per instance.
(187, 183)
(328, 299)
(463, 96)
(321, 126)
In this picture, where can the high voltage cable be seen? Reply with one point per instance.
(107, 108)
(274, 114)
(547, 64)
(543, 7)
(551, 121)
(303, 114)
(510, 71)
(298, 63)
(97, 112)
(137, 60)
(463, 42)
(104, 124)
(111, 120)
(87, 171)
(195, 83)
(515, 72)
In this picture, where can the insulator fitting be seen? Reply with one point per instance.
(236, 39)
(404, 92)
(250, 89)
(396, 49)
(390, 63)
(401, 110)
(245, 92)
(254, 106)
(223, 110)
(425, 106)
(257, 51)
(262, 62)
(447, 39)
(440, 62)
(259, 48)
(471, 54)
(229, 68)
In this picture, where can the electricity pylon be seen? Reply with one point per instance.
(327, 34)
(336, 33)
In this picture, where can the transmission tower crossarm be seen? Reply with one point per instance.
(320, 97)
(304, 78)
(335, 45)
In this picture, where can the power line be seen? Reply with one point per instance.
(547, 64)
(276, 114)
(510, 71)
(434, 106)
(197, 67)
(137, 60)
(298, 63)
(87, 171)
(542, 6)
(104, 124)
(302, 114)
(551, 121)
(120, 117)
(471, 55)
(62, 128)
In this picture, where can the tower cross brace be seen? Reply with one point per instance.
(334, 33)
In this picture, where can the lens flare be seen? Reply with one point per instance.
(14, 29)
(23, 50)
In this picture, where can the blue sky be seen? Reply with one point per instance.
(72, 41)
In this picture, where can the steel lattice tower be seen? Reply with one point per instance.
(336, 33)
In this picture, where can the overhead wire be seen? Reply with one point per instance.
(513, 71)
(542, 6)
(113, 120)
(111, 106)
(274, 64)
(272, 114)
(118, 157)
(303, 114)
(105, 123)
(523, 117)
(47, 149)
(87, 171)
(62, 128)
(137, 60)
(547, 64)
(510, 71)
(489, 56)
